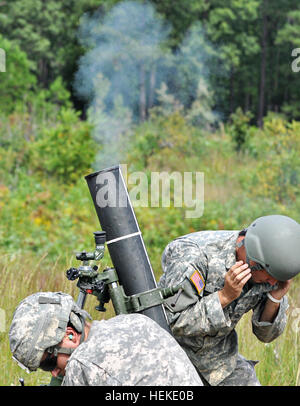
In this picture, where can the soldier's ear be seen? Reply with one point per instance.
(72, 335)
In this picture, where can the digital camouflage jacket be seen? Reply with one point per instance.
(130, 350)
(206, 331)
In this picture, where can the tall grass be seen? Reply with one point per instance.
(279, 361)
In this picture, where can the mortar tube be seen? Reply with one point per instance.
(123, 237)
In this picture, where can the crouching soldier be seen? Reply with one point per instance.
(225, 274)
(49, 331)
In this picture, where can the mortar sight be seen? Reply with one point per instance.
(100, 237)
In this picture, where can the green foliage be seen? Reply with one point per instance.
(58, 94)
(46, 31)
(181, 15)
(17, 79)
(43, 216)
(277, 153)
(229, 23)
(238, 127)
(46, 103)
(290, 33)
(66, 150)
(47, 34)
(161, 141)
(41, 174)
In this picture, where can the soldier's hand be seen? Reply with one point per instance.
(281, 290)
(235, 279)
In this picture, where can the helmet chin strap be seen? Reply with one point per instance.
(65, 350)
(62, 350)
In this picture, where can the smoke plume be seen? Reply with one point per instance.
(128, 69)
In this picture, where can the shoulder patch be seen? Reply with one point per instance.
(198, 281)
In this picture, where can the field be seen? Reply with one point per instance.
(47, 216)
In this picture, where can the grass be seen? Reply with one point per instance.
(279, 361)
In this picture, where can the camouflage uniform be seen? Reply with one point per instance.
(125, 350)
(129, 350)
(206, 331)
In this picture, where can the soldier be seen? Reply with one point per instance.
(49, 331)
(225, 274)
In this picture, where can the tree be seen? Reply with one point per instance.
(276, 77)
(181, 14)
(46, 32)
(17, 80)
(287, 41)
(230, 27)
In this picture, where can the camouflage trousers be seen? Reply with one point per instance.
(243, 374)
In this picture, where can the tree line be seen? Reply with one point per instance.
(248, 47)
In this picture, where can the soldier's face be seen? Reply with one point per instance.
(62, 360)
(70, 340)
(60, 364)
(263, 277)
(260, 276)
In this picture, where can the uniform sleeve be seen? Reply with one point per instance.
(266, 331)
(205, 316)
(87, 374)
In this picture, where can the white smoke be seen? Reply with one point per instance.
(128, 69)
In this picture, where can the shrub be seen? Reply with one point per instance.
(65, 151)
(238, 127)
(276, 150)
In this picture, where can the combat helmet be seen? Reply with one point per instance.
(39, 323)
(274, 243)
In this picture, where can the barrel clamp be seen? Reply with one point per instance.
(105, 285)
